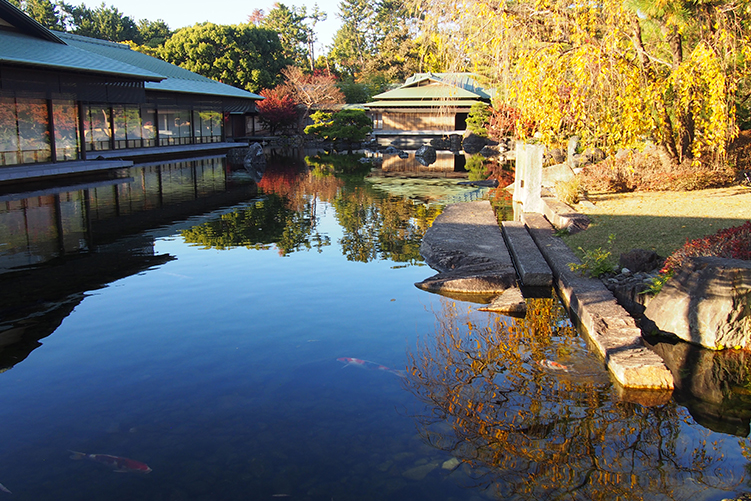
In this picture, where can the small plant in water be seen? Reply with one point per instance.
(595, 262)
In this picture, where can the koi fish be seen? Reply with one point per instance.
(118, 464)
(554, 366)
(366, 364)
(4, 489)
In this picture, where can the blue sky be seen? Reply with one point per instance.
(181, 13)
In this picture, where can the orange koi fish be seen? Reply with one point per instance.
(118, 464)
(555, 366)
(366, 364)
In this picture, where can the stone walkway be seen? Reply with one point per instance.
(466, 246)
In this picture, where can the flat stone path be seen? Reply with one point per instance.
(466, 246)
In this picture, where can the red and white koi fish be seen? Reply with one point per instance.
(553, 366)
(118, 464)
(366, 364)
(4, 489)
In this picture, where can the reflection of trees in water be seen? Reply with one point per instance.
(285, 217)
(540, 434)
(377, 227)
(268, 221)
(374, 226)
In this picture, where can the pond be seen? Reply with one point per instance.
(264, 341)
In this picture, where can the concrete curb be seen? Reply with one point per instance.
(611, 329)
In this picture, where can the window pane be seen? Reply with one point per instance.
(133, 122)
(33, 130)
(65, 115)
(8, 132)
(98, 129)
(148, 129)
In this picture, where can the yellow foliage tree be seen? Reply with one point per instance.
(614, 73)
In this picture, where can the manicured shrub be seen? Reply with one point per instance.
(732, 243)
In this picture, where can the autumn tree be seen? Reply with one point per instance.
(316, 90)
(278, 110)
(615, 73)
(243, 55)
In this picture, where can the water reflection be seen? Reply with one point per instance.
(375, 225)
(63, 242)
(534, 431)
(715, 386)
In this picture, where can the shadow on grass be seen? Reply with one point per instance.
(661, 234)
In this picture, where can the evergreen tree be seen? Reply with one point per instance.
(241, 55)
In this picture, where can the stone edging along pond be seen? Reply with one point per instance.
(463, 245)
(611, 329)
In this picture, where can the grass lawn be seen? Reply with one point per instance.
(659, 221)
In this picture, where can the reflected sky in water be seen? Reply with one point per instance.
(200, 336)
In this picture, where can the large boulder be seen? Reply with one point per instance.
(255, 161)
(712, 385)
(707, 302)
(427, 154)
(640, 260)
(473, 143)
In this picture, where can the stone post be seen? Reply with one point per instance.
(528, 179)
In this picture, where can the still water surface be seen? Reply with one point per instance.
(189, 319)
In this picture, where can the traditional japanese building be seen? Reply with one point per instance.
(427, 103)
(66, 99)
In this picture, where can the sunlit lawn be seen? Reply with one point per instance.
(659, 221)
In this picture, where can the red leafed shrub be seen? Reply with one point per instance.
(504, 121)
(732, 243)
(278, 110)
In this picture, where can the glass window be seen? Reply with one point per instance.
(97, 128)
(167, 133)
(217, 125)
(8, 132)
(65, 118)
(133, 126)
(118, 124)
(148, 127)
(33, 130)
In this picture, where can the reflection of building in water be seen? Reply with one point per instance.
(57, 244)
(446, 163)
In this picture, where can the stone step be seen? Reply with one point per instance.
(531, 266)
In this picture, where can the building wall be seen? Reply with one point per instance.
(423, 120)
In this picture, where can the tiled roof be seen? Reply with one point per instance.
(176, 79)
(28, 43)
(428, 93)
(438, 103)
(18, 48)
(436, 87)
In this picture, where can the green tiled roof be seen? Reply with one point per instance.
(463, 103)
(18, 48)
(428, 93)
(176, 79)
(433, 89)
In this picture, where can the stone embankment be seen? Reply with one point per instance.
(467, 247)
